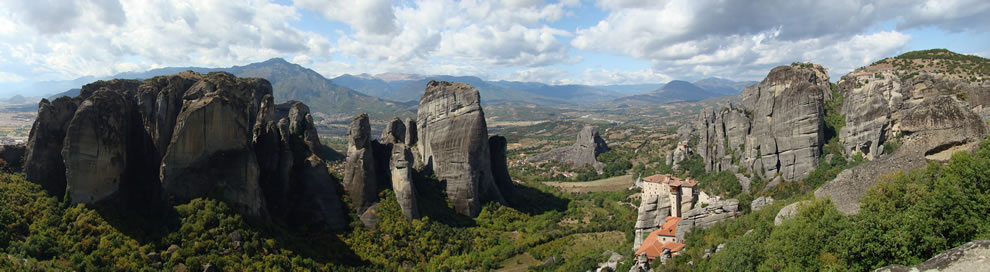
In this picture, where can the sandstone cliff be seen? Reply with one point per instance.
(777, 131)
(174, 138)
(932, 131)
(583, 152)
(453, 142)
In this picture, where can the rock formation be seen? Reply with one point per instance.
(761, 202)
(360, 174)
(395, 132)
(185, 136)
(402, 180)
(96, 144)
(704, 217)
(43, 162)
(973, 256)
(583, 152)
(778, 130)
(410, 132)
(453, 141)
(653, 212)
(500, 167)
(211, 146)
(788, 212)
(932, 131)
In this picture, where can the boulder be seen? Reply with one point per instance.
(972, 256)
(584, 151)
(360, 174)
(210, 152)
(453, 141)
(402, 181)
(761, 202)
(788, 212)
(43, 162)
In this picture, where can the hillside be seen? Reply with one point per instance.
(675, 91)
(294, 82)
(940, 63)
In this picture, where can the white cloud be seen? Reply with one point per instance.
(10, 78)
(374, 17)
(736, 39)
(609, 77)
(443, 36)
(101, 39)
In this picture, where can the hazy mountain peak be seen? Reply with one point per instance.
(390, 76)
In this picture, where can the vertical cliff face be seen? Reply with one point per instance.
(778, 130)
(43, 161)
(360, 174)
(402, 180)
(211, 146)
(185, 136)
(95, 146)
(453, 139)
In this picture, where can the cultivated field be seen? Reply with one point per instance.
(603, 185)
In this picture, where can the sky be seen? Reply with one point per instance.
(556, 42)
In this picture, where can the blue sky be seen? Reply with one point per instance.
(556, 42)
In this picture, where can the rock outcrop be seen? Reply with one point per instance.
(360, 173)
(761, 202)
(210, 151)
(43, 162)
(453, 141)
(653, 212)
(184, 136)
(96, 144)
(704, 217)
(973, 256)
(395, 132)
(500, 167)
(778, 129)
(931, 131)
(402, 180)
(584, 151)
(788, 212)
(411, 132)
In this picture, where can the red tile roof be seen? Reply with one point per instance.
(652, 246)
(671, 180)
(669, 228)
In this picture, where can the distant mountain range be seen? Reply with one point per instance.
(409, 87)
(683, 91)
(293, 82)
(387, 95)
